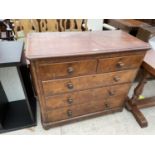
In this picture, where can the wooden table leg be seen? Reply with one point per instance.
(131, 104)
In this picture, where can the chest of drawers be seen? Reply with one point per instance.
(78, 75)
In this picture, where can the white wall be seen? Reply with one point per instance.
(95, 24)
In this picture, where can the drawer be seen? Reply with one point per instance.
(67, 69)
(119, 63)
(53, 87)
(84, 97)
(83, 109)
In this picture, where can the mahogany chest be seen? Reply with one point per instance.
(78, 75)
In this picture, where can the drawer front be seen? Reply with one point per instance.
(119, 63)
(84, 97)
(86, 82)
(67, 69)
(83, 109)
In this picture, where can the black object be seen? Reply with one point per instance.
(17, 114)
(6, 27)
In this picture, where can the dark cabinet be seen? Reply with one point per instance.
(21, 113)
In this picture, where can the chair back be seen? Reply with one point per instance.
(24, 26)
(73, 24)
(50, 25)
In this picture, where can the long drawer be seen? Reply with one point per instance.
(119, 63)
(67, 69)
(83, 109)
(53, 87)
(85, 96)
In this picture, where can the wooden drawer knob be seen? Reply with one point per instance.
(116, 78)
(107, 105)
(70, 85)
(120, 64)
(70, 100)
(111, 92)
(70, 70)
(69, 113)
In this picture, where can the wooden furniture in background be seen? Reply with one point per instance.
(72, 25)
(22, 113)
(146, 32)
(54, 25)
(50, 25)
(24, 26)
(148, 21)
(134, 104)
(79, 75)
(129, 25)
(75, 25)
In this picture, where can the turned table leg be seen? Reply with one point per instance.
(131, 104)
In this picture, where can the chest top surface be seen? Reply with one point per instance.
(10, 52)
(60, 44)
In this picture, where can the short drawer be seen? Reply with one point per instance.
(119, 63)
(67, 69)
(53, 87)
(85, 96)
(84, 109)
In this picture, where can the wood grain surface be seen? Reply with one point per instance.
(80, 43)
